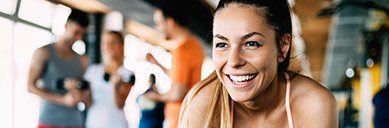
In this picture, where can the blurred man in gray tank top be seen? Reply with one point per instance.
(59, 68)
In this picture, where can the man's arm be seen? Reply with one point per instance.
(180, 74)
(38, 61)
(87, 94)
(150, 35)
(176, 93)
(152, 60)
(84, 63)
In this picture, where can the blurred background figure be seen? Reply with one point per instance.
(152, 112)
(381, 105)
(60, 69)
(110, 84)
(187, 57)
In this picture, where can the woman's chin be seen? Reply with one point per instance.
(239, 96)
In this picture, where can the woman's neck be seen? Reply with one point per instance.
(267, 101)
(112, 66)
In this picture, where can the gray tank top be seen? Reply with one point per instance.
(57, 68)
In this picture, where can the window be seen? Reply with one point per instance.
(113, 21)
(26, 39)
(8, 6)
(37, 11)
(61, 14)
(20, 36)
(6, 72)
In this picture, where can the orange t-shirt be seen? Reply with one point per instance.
(187, 60)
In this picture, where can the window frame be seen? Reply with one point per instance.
(15, 18)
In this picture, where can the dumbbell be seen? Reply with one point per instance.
(125, 79)
(81, 85)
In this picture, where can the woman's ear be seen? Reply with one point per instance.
(284, 47)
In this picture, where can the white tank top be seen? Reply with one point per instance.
(103, 113)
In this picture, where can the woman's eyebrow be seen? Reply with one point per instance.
(252, 34)
(242, 38)
(221, 37)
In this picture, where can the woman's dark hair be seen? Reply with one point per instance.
(117, 34)
(277, 15)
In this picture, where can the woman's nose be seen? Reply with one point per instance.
(235, 59)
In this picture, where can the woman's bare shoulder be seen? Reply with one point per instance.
(312, 102)
(302, 85)
(197, 102)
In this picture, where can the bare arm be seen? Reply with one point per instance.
(150, 35)
(151, 59)
(86, 94)
(87, 97)
(121, 91)
(38, 61)
(179, 73)
(176, 93)
(84, 63)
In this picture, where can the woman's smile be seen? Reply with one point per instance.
(242, 81)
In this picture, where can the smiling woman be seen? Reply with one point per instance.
(251, 86)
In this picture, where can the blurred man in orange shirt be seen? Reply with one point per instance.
(187, 59)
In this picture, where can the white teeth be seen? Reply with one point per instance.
(241, 78)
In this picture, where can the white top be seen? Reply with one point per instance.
(104, 113)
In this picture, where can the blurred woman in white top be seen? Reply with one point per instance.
(110, 84)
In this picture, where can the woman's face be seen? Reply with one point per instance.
(111, 47)
(244, 51)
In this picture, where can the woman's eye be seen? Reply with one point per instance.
(221, 45)
(252, 44)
